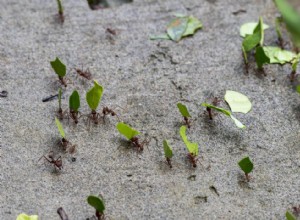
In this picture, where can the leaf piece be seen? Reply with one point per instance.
(93, 97)
(248, 28)
(246, 165)
(237, 102)
(256, 38)
(58, 67)
(290, 216)
(192, 147)
(23, 216)
(127, 131)
(295, 62)
(225, 112)
(160, 37)
(167, 149)
(193, 25)
(260, 57)
(97, 203)
(74, 101)
(177, 28)
(277, 55)
(183, 110)
(60, 128)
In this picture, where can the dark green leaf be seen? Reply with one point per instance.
(260, 57)
(290, 216)
(167, 149)
(58, 67)
(97, 203)
(256, 38)
(93, 97)
(246, 165)
(74, 101)
(127, 131)
(183, 110)
(177, 28)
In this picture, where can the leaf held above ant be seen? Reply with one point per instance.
(260, 57)
(290, 216)
(74, 101)
(93, 96)
(58, 67)
(251, 41)
(192, 147)
(183, 110)
(96, 202)
(237, 101)
(127, 131)
(248, 28)
(167, 149)
(277, 55)
(60, 128)
(246, 165)
(23, 216)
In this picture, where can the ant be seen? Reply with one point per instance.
(169, 162)
(192, 159)
(140, 146)
(106, 111)
(215, 102)
(187, 122)
(296, 210)
(68, 146)
(293, 76)
(94, 117)
(84, 74)
(56, 163)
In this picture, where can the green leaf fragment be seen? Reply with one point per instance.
(93, 97)
(60, 128)
(290, 216)
(256, 38)
(248, 28)
(192, 147)
(193, 25)
(260, 57)
(58, 67)
(167, 149)
(177, 28)
(278, 22)
(295, 62)
(277, 55)
(183, 110)
(160, 37)
(74, 101)
(60, 7)
(225, 112)
(246, 165)
(23, 216)
(245, 55)
(127, 131)
(237, 102)
(97, 203)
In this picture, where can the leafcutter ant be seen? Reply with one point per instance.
(68, 146)
(193, 159)
(57, 163)
(107, 111)
(296, 211)
(84, 73)
(94, 117)
(136, 143)
(293, 76)
(215, 102)
(168, 160)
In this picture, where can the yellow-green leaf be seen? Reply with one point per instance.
(126, 130)
(93, 97)
(192, 147)
(183, 110)
(237, 101)
(60, 128)
(23, 216)
(167, 149)
(193, 25)
(58, 67)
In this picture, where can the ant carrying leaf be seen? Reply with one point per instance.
(209, 107)
(98, 204)
(74, 104)
(131, 135)
(192, 147)
(60, 69)
(185, 113)
(65, 143)
(60, 111)
(247, 166)
(60, 11)
(93, 98)
(168, 152)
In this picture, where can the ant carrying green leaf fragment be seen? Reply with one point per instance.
(98, 203)
(192, 148)
(60, 11)
(131, 135)
(185, 114)
(67, 146)
(209, 108)
(168, 152)
(237, 102)
(74, 104)
(23, 216)
(247, 166)
(60, 69)
(181, 26)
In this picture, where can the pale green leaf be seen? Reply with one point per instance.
(74, 101)
(167, 149)
(93, 97)
(23, 216)
(177, 28)
(246, 165)
(237, 101)
(290, 216)
(60, 128)
(97, 203)
(277, 55)
(58, 67)
(127, 131)
(237, 122)
(183, 110)
(193, 25)
(248, 28)
(260, 57)
(295, 62)
(192, 147)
